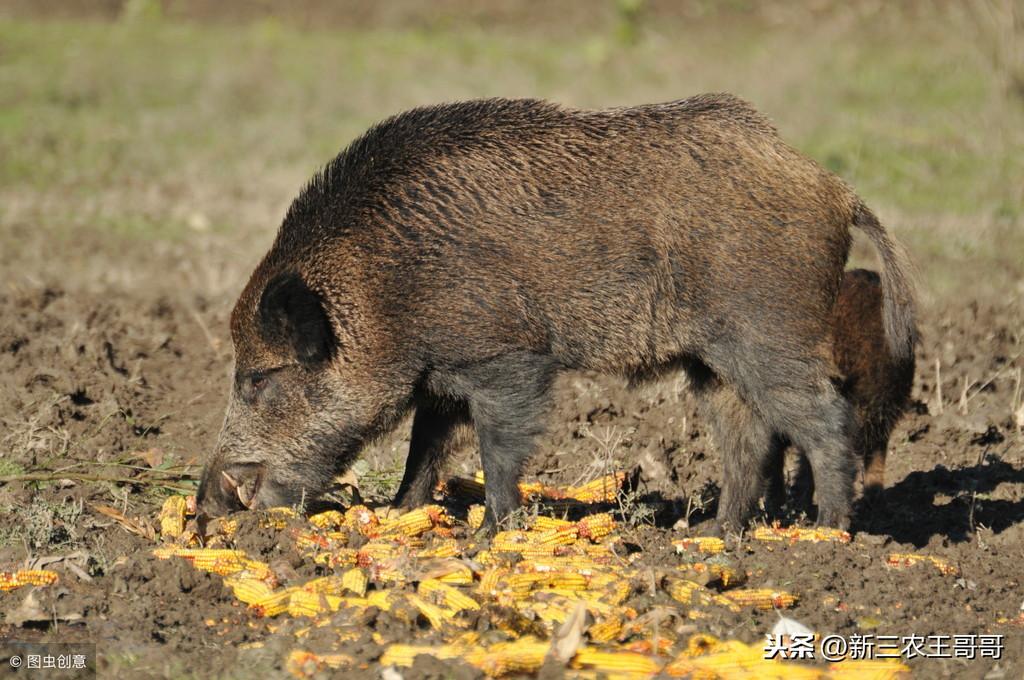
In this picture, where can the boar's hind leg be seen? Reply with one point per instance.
(818, 422)
(434, 427)
(507, 396)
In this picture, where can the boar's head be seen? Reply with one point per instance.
(300, 405)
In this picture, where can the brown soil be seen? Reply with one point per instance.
(90, 381)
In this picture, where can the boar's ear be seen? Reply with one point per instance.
(291, 313)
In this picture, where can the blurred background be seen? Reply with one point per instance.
(150, 148)
(185, 127)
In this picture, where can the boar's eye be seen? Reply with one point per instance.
(253, 384)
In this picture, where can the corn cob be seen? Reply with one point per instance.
(172, 517)
(794, 534)
(403, 655)
(453, 598)
(542, 523)
(606, 630)
(277, 518)
(27, 577)
(904, 560)
(466, 490)
(273, 604)
(439, 617)
(475, 518)
(354, 580)
(761, 598)
(452, 572)
(522, 656)
(725, 575)
(249, 590)
(329, 519)
(616, 662)
(522, 584)
(412, 523)
(446, 548)
(360, 518)
(305, 603)
(490, 581)
(340, 557)
(596, 527)
(694, 594)
(601, 490)
(708, 545)
(304, 664)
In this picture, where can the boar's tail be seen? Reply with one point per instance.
(898, 303)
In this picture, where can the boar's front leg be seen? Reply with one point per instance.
(508, 398)
(433, 439)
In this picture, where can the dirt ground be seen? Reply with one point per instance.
(114, 371)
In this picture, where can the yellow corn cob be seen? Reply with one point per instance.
(249, 590)
(27, 577)
(451, 572)
(465, 490)
(403, 655)
(553, 537)
(355, 580)
(412, 523)
(794, 534)
(596, 527)
(694, 594)
(305, 603)
(172, 517)
(761, 598)
(337, 558)
(863, 669)
(525, 655)
(708, 545)
(362, 519)
(277, 518)
(522, 584)
(476, 516)
(438, 617)
(446, 548)
(903, 560)
(606, 630)
(453, 598)
(491, 579)
(510, 541)
(302, 664)
(724, 574)
(601, 490)
(618, 592)
(542, 523)
(616, 662)
(329, 519)
(273, 604)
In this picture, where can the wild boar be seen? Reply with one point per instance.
(454, 258)
(876, 383)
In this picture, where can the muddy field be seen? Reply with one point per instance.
(119, 265)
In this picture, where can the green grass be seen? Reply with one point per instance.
(134, 128)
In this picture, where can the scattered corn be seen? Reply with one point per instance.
(27, 577)
(172, 517)
(904, 560)
(708, 545)
(794, 534)
(761, 598)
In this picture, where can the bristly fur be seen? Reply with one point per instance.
(455, 257)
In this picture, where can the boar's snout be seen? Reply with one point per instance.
(227, 489)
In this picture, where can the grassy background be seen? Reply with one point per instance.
(144, 123)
